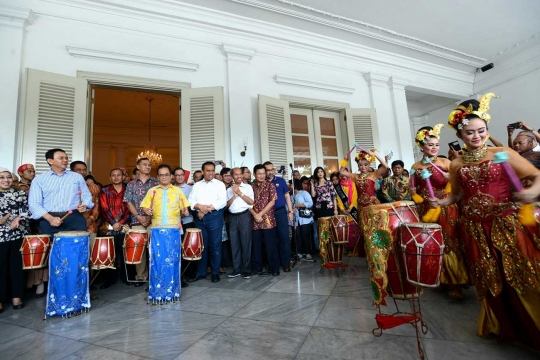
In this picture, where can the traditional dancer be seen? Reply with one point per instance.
(454, 272)
(503, 257)
(347, 203)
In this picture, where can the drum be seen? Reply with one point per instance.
(340, 229)
(330, 252)
(422, 249)
(134, 246)
(35, 251)
(334, 253)
(380, 224)
(193, 245)
(103, 255)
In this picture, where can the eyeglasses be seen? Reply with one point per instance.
(163, 175)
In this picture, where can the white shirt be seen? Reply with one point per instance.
(186, 189)
(208, 193)
(536, 148)
(239, 205)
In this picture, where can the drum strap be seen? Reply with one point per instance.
(344, 199)
(401, 219)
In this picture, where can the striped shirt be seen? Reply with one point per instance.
(51, 192)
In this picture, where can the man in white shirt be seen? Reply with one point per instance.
(239, 201)
(208, 199)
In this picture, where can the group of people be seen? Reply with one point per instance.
(473, 193)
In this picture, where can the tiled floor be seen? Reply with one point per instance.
(303, 314)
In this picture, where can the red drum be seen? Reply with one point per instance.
(103, 255)
(340, 229)
(422, 250)
(35, 251)
(134, 246)
(193, 245)
(334, 253)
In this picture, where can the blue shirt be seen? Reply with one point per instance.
(186, 189)
(303, 197)
(51, 192)
(281, 189)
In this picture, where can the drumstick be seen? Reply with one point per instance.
(425, 174)
(417, 198)
(432, 215)
(350, 151)
(65, 216)
(428, 161)
(152, 202)
(80, 197)
(525, 215)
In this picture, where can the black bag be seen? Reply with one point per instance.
(305, 213)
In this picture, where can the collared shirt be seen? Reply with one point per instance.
(113, 207)
(208, 193)
(93, 213)
(51, 192)
(135, 193)
(167, 204)
(186, 189)
(281, 189)
(263, 194)
(395, 188)
(14, 202)
(303, 197)
(239, 204)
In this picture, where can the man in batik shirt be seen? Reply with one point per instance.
(396, 187)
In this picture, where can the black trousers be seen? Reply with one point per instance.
(272, 251)
(11, 270)
(240, 234)
(305, 239)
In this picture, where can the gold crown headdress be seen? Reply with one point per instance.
(423, 134)
(364, 155)
(456, 119)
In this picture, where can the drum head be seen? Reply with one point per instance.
(422, 225)
(138, 231)
(36, 236)
(72, 233)
(193, 230)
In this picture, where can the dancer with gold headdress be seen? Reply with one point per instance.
(454, 272)
(503, 256)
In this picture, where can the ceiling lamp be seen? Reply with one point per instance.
(150, 150)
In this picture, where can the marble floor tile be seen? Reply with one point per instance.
(248, 339)
(164, 335)
(305, 285)
(120, 291)
(37, 345)
(341, 344)
(93, 352)
(353, 286)
(299, 309)
(256, 283)
(469, 296)
(217, 301)
(487, 350)
(10, 332)
(100, 323)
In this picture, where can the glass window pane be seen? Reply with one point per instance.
(299, 124)
(330, 166)
(327, 126)
(303, 165)
(300, 145)
(329, 147)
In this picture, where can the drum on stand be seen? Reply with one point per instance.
(333, 252)
(340, 229)
(134, 246)
(103, 255)
(35, 251)
(193, 244)
(422, 249)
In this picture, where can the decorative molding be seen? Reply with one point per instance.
(397, 83)
(16, 17)
(369, 30)
(514, 47)
(317, 104)
(289, 80)
(133, 82)
(130, 59)
(237, 53)
(376, 79)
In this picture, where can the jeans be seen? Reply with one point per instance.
(211, 227)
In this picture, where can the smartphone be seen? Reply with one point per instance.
(218, 162)
(455, 145)
(281, 169)
(515, 125)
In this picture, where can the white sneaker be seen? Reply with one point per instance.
(309, 257)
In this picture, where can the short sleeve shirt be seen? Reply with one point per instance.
(135, 192)
(264, 193)
(281, 189)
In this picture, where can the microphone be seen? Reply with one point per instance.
(290, 164)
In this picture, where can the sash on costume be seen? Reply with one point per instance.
(68, 291)
(165, 248)
(345, 200)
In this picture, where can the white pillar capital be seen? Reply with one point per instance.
(397, 83)
(374, 79)
(16, 17)
(237, 53)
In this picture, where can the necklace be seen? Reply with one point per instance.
(363, 176)
(471, 156)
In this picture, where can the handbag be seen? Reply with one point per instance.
(305, 213)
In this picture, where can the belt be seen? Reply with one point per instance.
(240, 213)
(62, 213)
(279, 208)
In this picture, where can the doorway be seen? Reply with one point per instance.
(120, 128)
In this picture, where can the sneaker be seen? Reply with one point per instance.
(309, 257)
(234, 274)
(247, 275)
(300, 256)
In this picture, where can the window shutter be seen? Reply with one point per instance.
(54, 117)
(202, 126)
(360, 126)
(275, 128)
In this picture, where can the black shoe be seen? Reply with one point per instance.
(41, 295)
(234, 274)
(276, 273)
(138, 284)
(18, 307)
(197, 278)
(215, 278)
(247, 275)
(286, 269)
(184, 284)
(264, 273)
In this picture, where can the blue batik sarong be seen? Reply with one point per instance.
(68, 274)
(165, 248)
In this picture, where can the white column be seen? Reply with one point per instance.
(405, 140)
(13, 22)
(240, 124)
